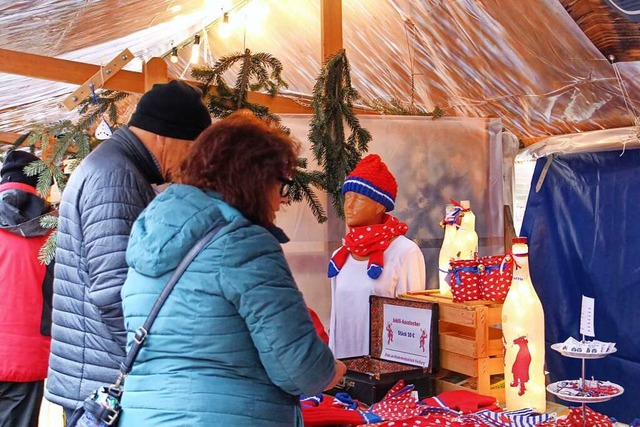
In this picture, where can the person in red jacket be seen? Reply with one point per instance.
(25, 294)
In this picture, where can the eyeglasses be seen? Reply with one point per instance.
(285, 186)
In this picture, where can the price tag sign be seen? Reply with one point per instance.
(406, 335)
(586, 316)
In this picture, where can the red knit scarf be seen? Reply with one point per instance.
(371, 241)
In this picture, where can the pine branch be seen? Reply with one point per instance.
(395, 107)
(45, 180)
(301, 189)
(18, 142)
(204, 75)
(35, 168)
(60, 178)
(48, 251)
(49, 221)
(332, 106)
(70, 141)
(242, 81)
(258, 71)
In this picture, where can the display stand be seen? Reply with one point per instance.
(470, 342)
(557, 387)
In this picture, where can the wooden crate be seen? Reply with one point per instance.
(470, 343)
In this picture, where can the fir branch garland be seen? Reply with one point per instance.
(395, 107)
(332, 105)
(71, 140)
(257, 72)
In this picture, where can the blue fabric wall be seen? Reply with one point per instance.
(584, 239)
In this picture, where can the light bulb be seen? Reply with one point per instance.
(174, 55)
(195, 49)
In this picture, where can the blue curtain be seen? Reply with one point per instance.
(583, 227)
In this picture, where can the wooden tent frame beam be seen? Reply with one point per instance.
(331, 27)
(74, 72)
(65, 71)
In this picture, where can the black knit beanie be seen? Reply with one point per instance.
(13, 166)
(173, 109)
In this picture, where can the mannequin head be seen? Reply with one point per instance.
(360, 210)
(369, 192)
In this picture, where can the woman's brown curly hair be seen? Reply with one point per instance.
(241, 157)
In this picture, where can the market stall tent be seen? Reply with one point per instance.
(537, 68)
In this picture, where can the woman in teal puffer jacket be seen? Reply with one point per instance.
(233, 344)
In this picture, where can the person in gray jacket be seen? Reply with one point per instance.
(103, 198)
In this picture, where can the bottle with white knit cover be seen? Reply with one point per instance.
(448, 249)
(466, 241)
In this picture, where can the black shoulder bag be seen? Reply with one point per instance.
(102, 408)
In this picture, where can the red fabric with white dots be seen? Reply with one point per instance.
(496, 272)
(574, 419)
(465, 280)
(432, 419)
(397, 404)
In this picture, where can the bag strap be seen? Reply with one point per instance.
(142, 331)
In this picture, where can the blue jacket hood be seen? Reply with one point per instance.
(172, 223)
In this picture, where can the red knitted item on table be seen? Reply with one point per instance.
(398, 403)
(329, 412)
(463, 400)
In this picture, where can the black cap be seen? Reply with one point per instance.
(173, 109)
(13, 168)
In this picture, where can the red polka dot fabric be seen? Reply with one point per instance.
(486, 278)
(495, 274)
(465, 280)
(574, 419)
(398, 404)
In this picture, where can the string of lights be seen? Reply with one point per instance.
(195, 40)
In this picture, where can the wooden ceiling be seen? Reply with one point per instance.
(611, 32)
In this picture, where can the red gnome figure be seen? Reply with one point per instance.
(423, 338)
(389, 333)
(520, 368)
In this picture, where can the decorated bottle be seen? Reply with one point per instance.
(466, 236)
(523, 337)
(448, 248)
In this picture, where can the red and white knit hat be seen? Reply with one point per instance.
(372, 178)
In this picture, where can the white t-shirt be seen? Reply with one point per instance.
(404, 271)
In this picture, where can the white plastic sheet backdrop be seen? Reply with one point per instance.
(525, 61)
(433, 161)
